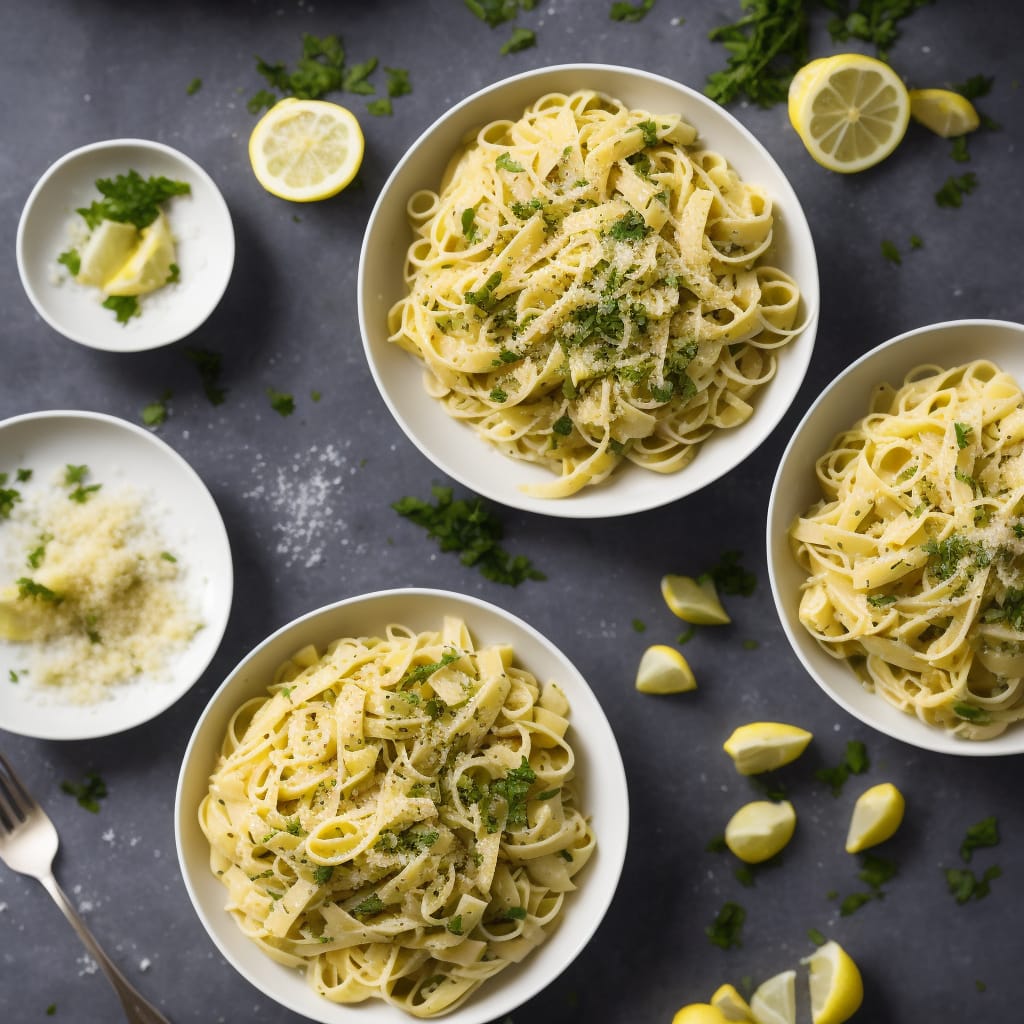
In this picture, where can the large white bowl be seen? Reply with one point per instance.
(453, 447)
(838, 407)
(200, 222)
(118, 454)
(603, 797)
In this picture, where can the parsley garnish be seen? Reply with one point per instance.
(496, 12)
(984, 833)
(881, 600)
(87, 793)
(498, 395)
(562, 426)
(469, 528)
(964, 885)
(156, 412)
(124, 307)
(281, 402)
(890, 252)
(513, 914)
(322, 873)
(455, 924)
(208, 363)
(874, 21)
(623, 11)
(398, 82)
(639, 625)
(524, 211)
(971, 713)
(380, 107)
(521, 39)
(854, 762)
(730, 577)
(469, 225)
(513, 789)
(630, 228)
(37, 591)
(193, 87)
(420, 673)
(173, 274)
(72, 260)
(506, 163)
(816, 937)
(373, 904)
(356, 76)
(131, 199)
(963, 432)
(9, 496)
(952, 192)
(650, 132)
(725, 930)
(294, 827)
(483, 298)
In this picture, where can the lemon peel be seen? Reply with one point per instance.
(663, 669)
(699, 1013)
(306, 150)
(694, 600)
(850, 111)
(837, 989)
(877, 815)
(764, 746)
(760, 829)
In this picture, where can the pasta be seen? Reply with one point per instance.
(398, 817)
(590, 287)
(915, 556)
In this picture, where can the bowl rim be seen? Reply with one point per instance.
(153, 339)
(611, 847)
(797, 228)
(916, 734)
(213, 526)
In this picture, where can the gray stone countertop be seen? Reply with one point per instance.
(306, 503)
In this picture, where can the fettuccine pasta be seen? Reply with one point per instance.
(590, 286)
(398, 816)
(915, 556)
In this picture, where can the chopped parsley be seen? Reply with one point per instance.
(208, 363)
(483, 298)
(955, 188)
(816, 937)
(398, 82)
(521, 39)
(124, 307)
(983, 834)
(497, 12)
(380, 107)
(964, 885)
(88, 793)
(469, 528)
(322, 873)
(9, 497)
(281, 402)
(74, 476)
(881, 600)
(469, 225)
(624, 11)
(725, 930)
(173, 274)
(498, 395)
(875, 871)
(193, 87)
(730, 577)
(28, 588)
(524, 211)
(131, 199)
(854, 762)
(963, 432)
(629, 228)
(454, 924)
(873, 21)
(562, 426)
(514, 914)
(156, 412)
(890, 252)
(639, 625)
(72, 260)
(650, 132)
(421, 673)
(373, 904)
(505, 162)
(513, 789)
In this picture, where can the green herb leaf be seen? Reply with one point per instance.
(398, 82)
(982, 834)
(88, 793)
(28, 588)
(521, 39)
(469, 225)
(890, 252)
(72, 260)
(623, 11)
(881, 600)
(373, 904)
(725, 931)
(420, 673)
(483, 298)
(506, 163)
(124, 307)
(964, 885)
(156, 412)
(380, 107)
(194, 86)
(816, 937)
(730, 577)
(281, 402)
(208, 363)
(963, 432)
(322, 873)
(131, 199)
(952, 192)
(855, 762)
(630, 228)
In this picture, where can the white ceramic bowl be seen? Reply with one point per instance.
(453, 447)
(838, 407)
(600, 772)
(200, 222)
(178, 504)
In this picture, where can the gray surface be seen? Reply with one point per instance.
(306, 502)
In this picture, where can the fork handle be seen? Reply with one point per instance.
(136, 1009)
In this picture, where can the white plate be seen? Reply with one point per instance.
(838, 407)
(454, 447)
(183, 511)
(600, 773)
(200, 222)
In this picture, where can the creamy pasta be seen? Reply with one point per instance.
(398, 816)
(915, 555)
(590, 286)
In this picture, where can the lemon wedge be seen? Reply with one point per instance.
(835, 982)
(774, 1001)
(877, 814)
(731, 1004)
(760, 829)
(306, 150)
(664, 670)
(945, 112)
(763, 746)
(851, 111)
(106, 252)
(149, 266)
(693, 600)
(699, 1013)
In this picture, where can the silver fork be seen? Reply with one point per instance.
(28, 844)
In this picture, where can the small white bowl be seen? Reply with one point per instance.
(452, 446)
(602, 790)
(838, 407)
(120, 453)
(200, 222)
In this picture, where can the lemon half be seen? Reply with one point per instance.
(306, 150)
(664, 670)
(760, 829)
(835, 982)
(943, 111)
(877, 814)
(850, 110)
(763, 746)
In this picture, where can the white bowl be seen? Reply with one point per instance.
(838, 407)
(200, 222)
(120, 453)
(602, 781)
(452, 446)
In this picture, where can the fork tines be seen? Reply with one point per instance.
(15, 802)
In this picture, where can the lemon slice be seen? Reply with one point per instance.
(693, 600)
(149, 266)
(699, 1013)
(106, 251)
(798, 87)
(835, 982)
(945, 112)
(731, 1004)
(764, 746)
(760, 829)
(850, 112)
(876, 816)
(664, 670)
(774, 1001)
(305, 150)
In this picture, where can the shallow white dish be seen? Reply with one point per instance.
(602, 783)
(118, 452)
(200, 222)
(838, 407)
(453, 447)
